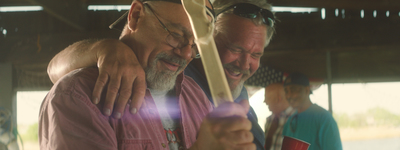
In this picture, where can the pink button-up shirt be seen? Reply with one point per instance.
(69, 120)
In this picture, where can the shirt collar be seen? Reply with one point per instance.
(287, 112)
(178, 85)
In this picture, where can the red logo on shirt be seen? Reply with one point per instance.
(173, 136)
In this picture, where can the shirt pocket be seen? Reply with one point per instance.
(129, 144)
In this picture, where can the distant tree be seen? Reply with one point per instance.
(359, 120)
(343, 120)
(31, 134)
(377, 116)
(384, 117)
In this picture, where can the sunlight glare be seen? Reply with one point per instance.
(109, 7)
(20, 8)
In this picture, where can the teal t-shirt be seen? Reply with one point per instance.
(315, 126)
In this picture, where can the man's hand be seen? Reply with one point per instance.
(119, 67)
(226, 128)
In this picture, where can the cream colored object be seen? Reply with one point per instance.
(203, 33)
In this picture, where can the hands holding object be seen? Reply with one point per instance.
(226, 127)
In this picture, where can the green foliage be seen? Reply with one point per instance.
(31, 134)
(373, 117)
(344, 120)
(384, 117)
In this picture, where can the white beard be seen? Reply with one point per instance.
(236, 92)
(160, 81)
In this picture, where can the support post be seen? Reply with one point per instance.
(6, 88)
(329, 79)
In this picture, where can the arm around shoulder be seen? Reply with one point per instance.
(119, 70)
(81, 54)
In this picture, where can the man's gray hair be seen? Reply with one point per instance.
(221, 5)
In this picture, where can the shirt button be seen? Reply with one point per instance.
(163, 145)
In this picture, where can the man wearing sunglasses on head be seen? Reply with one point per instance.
(242, 30)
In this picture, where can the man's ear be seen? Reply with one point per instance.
(279, 97)
(308, 89)
(134, 14)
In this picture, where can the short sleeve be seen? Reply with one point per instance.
(68, 120)
(329, 134)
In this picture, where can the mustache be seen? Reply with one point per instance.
(173, 59)
(236, 69)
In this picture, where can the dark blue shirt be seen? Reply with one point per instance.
(201, 80)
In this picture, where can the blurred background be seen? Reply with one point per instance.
(348, 49)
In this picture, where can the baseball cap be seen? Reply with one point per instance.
(297, 78)
(120, 22)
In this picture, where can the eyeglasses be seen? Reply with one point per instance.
(176, 40)
(251, 11)
(293, 123)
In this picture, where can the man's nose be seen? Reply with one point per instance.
(244, 61)
(184, 52)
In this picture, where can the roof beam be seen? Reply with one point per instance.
(362, 49)
(334, 33)
(377, 65)
(342, 4)
(71, 12)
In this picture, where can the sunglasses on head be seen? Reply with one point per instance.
(252, 11)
